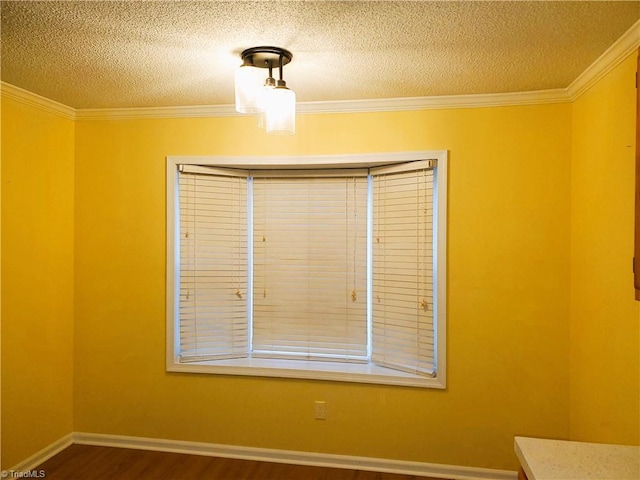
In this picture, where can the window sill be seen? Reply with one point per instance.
(330, 371)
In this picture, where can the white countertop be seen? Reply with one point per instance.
(562, 460)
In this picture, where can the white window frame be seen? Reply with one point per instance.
(334, 371)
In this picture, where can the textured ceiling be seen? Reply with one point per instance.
(95, 54)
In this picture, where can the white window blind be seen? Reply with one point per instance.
(310, 267)
(403, 259)
(213, 264)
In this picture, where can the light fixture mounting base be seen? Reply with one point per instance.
(265, 57)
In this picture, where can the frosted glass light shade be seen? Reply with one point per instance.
(262, 102)
(249, 80)
(280, 113)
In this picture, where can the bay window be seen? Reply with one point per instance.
(334, 270)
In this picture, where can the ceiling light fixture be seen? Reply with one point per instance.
(273, 102)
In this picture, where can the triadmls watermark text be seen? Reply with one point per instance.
(23, 474)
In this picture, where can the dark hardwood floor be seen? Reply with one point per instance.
(83, 462)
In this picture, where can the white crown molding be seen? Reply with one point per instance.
(348, 106)
(294, 457)
(436, 102)
(195, 111)
(606, 62)
(615, 54)
(43, 103)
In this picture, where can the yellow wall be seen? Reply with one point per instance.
(37, 279)
(605, 334)
(508, 281)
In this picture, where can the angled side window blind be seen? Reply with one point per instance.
(213, 264)
(310, 267)
(403, 254)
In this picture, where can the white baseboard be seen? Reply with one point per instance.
(43, 455)
(264, 454)
(294, 457)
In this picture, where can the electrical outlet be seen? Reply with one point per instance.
(320, 410)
